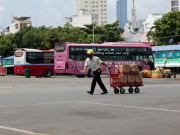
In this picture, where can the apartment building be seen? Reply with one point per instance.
(83, 17)
(121, 12)
(173, 5)
(96, 8)
(17, 24)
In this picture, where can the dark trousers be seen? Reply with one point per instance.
(97, 79)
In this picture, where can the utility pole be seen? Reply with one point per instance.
(134, 23)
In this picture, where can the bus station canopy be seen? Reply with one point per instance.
(166, 48)
(9, 58)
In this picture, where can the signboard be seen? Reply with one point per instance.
(169, 63)
(8, 62)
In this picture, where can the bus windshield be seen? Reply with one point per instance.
(60, 48)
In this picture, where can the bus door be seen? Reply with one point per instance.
(60, 57)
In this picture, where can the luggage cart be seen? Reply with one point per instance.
(118, 86)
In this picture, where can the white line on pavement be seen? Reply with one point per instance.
(5, 87)
(51, 103)
(20, 130)
(134, 107)
(161, 96)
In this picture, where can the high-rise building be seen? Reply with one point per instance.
(121, 12)
(173, 5)
(96, 8)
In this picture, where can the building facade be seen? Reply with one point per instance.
(96, 8)
(17, 24)
(149, 22)
(121, 12)
(173, 5)
(83, 17)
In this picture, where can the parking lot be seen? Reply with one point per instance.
(61, 106)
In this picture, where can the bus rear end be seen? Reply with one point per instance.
(19, 61)
(40, 62)
(60, 58)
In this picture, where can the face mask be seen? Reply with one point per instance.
(90, 56)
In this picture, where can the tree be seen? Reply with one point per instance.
(34, 38)
(19, 36)
(7, 48)
(166, 28)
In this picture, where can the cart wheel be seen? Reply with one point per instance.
(130, 90)
(137, 90)
(116, 90)
(122, 90)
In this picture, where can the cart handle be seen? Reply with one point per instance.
(110, 71)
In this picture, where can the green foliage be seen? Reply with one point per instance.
(7, 48)
(44, 38)
(166, 28)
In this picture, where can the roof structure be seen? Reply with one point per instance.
(166, 48)
(8, 58)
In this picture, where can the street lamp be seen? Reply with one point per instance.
(92, 20)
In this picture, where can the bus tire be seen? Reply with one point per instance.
(48, 73)
(90, 73)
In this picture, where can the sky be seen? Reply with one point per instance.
(53, 12)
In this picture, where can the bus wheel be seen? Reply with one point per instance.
(47, 73)
(90, 73)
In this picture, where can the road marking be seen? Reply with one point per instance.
(51, 103)
(5, 87)
(160, 96)
(20, 130)
(134, 107)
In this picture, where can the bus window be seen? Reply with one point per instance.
(60, 48)
(87, 48)
(76, 57)
(118, 49)
(103, 49)
(116, 58)
(34, 57)
(150, 58)
(105, 58)
(139, 57)
(128, 49)
(128, 57)
(140, 49)
(48, 57)
(149, 51)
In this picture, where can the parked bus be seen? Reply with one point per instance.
(40, 62)
(70, 57)
(167, 57)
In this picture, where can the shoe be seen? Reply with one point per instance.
(104, 92)
(90, 92)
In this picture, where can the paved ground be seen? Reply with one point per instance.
(61, 106)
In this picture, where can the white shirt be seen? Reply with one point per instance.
(93, 64)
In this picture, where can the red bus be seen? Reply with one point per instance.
(40, 62)
(70, 57)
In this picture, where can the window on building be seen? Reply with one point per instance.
(174, 3)
(16, 26)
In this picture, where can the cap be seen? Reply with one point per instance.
(90, 51)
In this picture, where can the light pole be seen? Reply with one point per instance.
(91, 20)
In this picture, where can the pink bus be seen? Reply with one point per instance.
(70, 57)
(40, 62)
